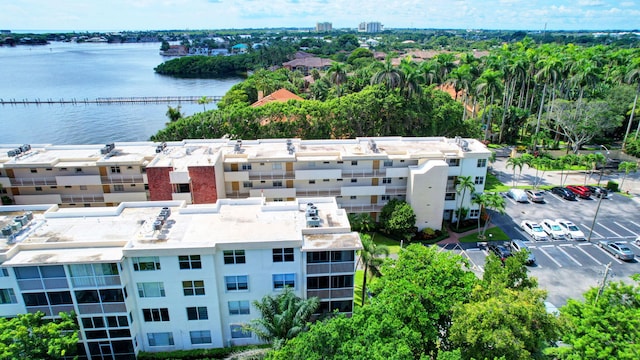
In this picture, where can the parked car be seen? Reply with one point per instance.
(501, 251)
(534, 230)
(637, 241)
(598, 191)
(581, 191)
(535, 195)
(618, 249)
(552, 229)
(519, 245)
(571, 230)
(518, 195)
(563, 192)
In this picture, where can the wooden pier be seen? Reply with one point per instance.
(112, 100)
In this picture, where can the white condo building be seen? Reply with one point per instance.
(163, 276)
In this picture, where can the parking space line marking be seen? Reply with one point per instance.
(589, 255)
(634, 245)
(549, 256)
(634, 223)
(588, 228)
(608, 253)
(629, 230)
(613, 232)
(569, 256)
(512, 201)
(557, 197)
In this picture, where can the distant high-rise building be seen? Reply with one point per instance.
(324, 27)
(370, 27)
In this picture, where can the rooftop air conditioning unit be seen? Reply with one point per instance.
(29, 215)
(12, 153)
(157, 225)
(7, 231)
(238, 146)
(312, 211)
(165, 211)
(23, 220)
(16, 226)
(313, 221)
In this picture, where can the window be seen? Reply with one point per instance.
(7, 296)
(316, 283)
(35, 299)
(160, 339)
(247, 184)
(78, 169)
(353, 197)
(326, 162)
(276, 166)
(59, 298)
(87, 297)
(340, 256)
(147, 263)
(482, 162)
(246, 166)
(354, 163)
(182, 188)
(117, 321)
(118, 188)
(96, 322)
(280, 281)
(277, 183)
(385, 197)
(340, 162)
(450, 196)
(34, 170)
(111, 295)
(190, 262)
(63, 169)
(341, 281)
(474, 213)
(237, 283)
(312, 181)
(151, 289)
(197, 313)
(325, 180)
(191, 288)
(200, 337)
(115, 169)
(49, 169)
(338, 179)
(239, 307)
(234, 257)
(387, 163)
(38, 188)
(283, 255)
(161, 314)
(237, 332)
(386, 180)
(354, 180)
(453, 162)
(4, 272)
(479, 180)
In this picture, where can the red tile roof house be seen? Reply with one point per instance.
(282, 95)
(305, 65)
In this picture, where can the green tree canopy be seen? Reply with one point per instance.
(29, 336)
(397, 217)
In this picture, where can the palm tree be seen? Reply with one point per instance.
(371, 260)
(633, 76)
(337, 75)
(410, 79)
(388, 75)
(627, 167)
(570, 160)
(173, 113)
(464, 183)
(203, 101)
(283, 317)
(545, 164)
(488, 85)
(516, 162)
(492, 201)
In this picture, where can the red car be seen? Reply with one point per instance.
(581, 191)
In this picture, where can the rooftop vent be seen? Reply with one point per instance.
(464, 144)
(19, 150)
(312, 211)
(107, 148)
(290, 147)
(7, 230)
(373, 146)
(238, 146)
(313, 221)
(160, 148)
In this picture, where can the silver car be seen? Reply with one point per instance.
(535, 196)
(618, 249)
(519, 245)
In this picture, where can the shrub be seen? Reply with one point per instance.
(612, 186)
(197, 354)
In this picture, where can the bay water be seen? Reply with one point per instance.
(67, 70)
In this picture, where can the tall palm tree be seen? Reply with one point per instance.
(428, 71)
(515, 162)
(633, 76)
(283, 317)
(337, 75)
(464, 183)
(489, 84)
(173, 113)
(388, 75)
(493, 201)
(370, 255)
(410, 79)
(204, 101)
(627, 167)
(549, 72)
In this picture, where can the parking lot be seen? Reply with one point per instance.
(568, 268)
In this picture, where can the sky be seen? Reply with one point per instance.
(122, 15)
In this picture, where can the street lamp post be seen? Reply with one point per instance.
(593, 224)
(606, 160)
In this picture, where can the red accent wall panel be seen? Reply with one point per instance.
(203, 184)
(159, 184)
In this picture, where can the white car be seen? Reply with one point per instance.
(571, 231)
(534, 230)
(553, 229)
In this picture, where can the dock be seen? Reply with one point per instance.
(112, 100)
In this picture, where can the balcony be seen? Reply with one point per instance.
(363, 173)
(237, 195)
(87, 198)
(93, 281)
(331, 293)
(396, 190)
(331, 268)
(122, 179)
(33, 181)
(361, 208)
(311, 193)
(281, 175)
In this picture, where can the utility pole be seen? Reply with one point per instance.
(604, 281)
(593, 224)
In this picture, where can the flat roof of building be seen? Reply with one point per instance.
(69, 235)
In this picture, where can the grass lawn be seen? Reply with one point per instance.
(393, 245)
(357, 288)
(496, 232)
(494, 185)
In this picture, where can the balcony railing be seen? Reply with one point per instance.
(122, 179)
(237, 195)
(331, 268)
(359, 208)
(33, 181)
(310, 192)
(281, 175)
(88, 198)
(93, 281)
(396, 190)
(364, 173)
(331, 293)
